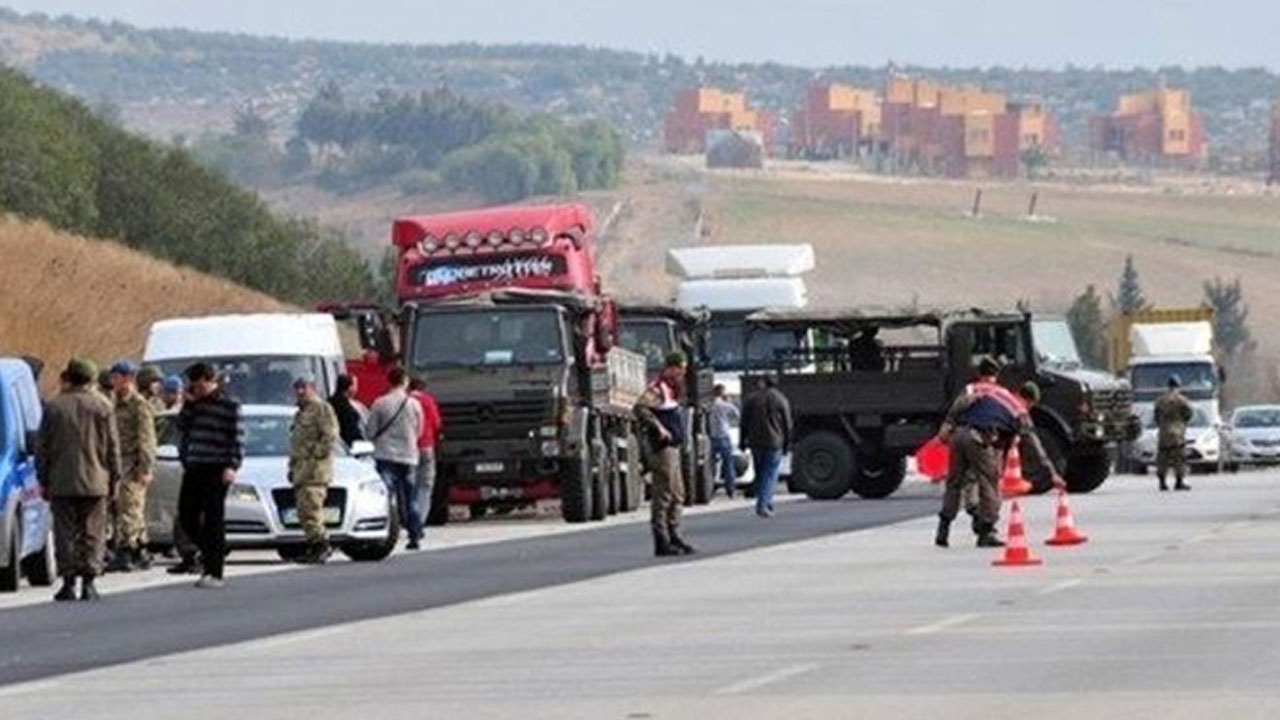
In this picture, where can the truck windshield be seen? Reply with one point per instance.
(1194, 376)
(652, 338)
(501, 336)
(256, 380)
(727, 342)
(1055, 344)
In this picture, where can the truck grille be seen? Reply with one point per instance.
(492, 419)
(1116, 405)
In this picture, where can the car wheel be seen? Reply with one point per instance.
(291, 553)
(41, 568)
(376, 551)
(11, 572)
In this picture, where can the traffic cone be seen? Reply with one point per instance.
(1065, 532)
(1016, 552)
(1012, 484)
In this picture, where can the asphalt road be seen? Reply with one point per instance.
(41, 641)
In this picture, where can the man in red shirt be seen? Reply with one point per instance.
(432, 426)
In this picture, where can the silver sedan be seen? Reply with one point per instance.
(261, 511)
(1253, 436)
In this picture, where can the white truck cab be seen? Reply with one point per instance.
(259, 355)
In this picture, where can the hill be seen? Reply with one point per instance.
(66, 295)
(174, 81)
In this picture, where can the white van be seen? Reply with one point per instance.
(259, 356)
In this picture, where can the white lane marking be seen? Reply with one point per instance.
(291, 638)
(1059, 587)
(941, 625)
(28, 688)
(756, 683)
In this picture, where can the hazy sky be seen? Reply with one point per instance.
(1038, 33)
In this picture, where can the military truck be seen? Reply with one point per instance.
(656, 331)
(857, 422)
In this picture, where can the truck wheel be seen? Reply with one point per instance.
(575, 489)
(704, 485)
(1039, 477)
(438, 513)
(632, 482)
(10, 573)
(1087, 470)
(599, 483)
(40, 569)
(822, 466)
(878, 476)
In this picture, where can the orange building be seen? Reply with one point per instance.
(960, 131)
(1157, 126)
(701, 110)
(835, 121)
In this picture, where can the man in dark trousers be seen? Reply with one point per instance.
(1172, 414)
(211, 448)
(662, 418)
(766, 433)
(78, 465)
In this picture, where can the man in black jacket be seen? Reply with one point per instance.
(350, 419)
(211, 448)
(766, 432)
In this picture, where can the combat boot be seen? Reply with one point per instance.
(88, 592)
(987, 537)
(141, 559)
(662, 546)
(942, 539)
(680, 546)
(121, 561)
(187, 566)
(1182, 485)
(68, 590)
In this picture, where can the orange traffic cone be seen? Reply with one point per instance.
(1065, 532)
(1012, 484)
(1016, 552)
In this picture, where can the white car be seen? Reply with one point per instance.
(261, 511)
(1253, 436)
(1203, 445)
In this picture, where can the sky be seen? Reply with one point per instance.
(813, 33)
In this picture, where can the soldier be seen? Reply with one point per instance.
(171, 394)
(1172, 413)
(149, 382)
(984, 421)
(78, 465)
(663, 420)
(315, 430)
(136, 426)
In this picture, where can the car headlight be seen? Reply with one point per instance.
(550, 448)
(240, 492)
(374, 487)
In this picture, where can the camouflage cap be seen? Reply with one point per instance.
(80, 371)
(148, 374)
(1030, 391)
(677, 359)
(988, 366)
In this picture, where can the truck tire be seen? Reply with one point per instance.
(438, 513)
(633, 480)
(1087, 470)
(11, 573)
(1039, 477)
(878, 476)
(575, 488)
(704, 485)
(822, 466)
(599, 482)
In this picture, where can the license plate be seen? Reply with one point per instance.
(490, 468)
(332, 516)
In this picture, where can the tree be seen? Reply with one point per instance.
(1088, 327)
(1230, 314)
(1129, 298)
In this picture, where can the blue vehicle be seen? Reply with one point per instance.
(25, 546)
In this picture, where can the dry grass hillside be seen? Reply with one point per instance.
(62, 295)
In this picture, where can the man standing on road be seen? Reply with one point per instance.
(983, 423)
(315, 430)
(724, 417)
(395, 423)
(432, 426)
(662, 418)
(78, 465)
(136, 426)
(211, 449)
(150, 384)
(1172, 414)
(350, 420)
(766, 432)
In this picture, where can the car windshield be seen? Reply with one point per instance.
(1055, 344)
(652, 338)
(496, 337)
(1194, 376)
(264, 435)
(1257, 418)
(727, 341)
(255, 380)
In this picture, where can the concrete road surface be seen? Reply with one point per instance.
(840, 610)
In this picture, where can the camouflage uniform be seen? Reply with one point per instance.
(1172, 413)
(315, 430)
(136, 426)
(658, 408)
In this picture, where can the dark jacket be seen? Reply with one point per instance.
(211, 432)
(350, 422)
(766, 421)
(78, 450)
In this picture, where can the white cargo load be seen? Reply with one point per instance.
(740, 261)
(1188, 338)
(742, 295)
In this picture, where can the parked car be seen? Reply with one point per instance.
(261, 510)
(26, 547)
(1253, 437)
(1203, 445)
